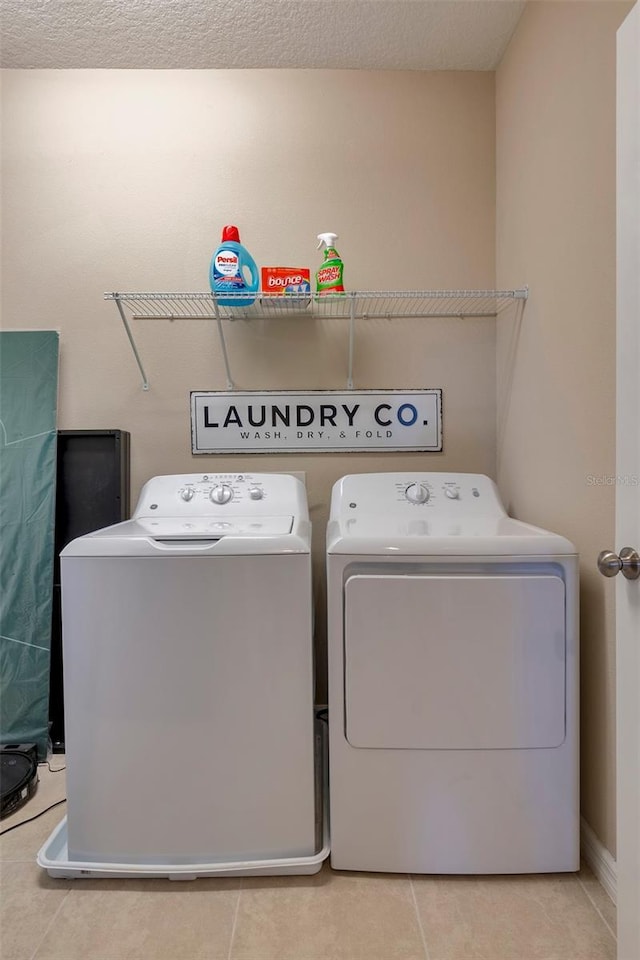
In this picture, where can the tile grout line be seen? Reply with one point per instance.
(597, 909)
(421, 928)
(235, 919)
(49, 925)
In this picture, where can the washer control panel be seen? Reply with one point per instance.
(448, 495)
(222, 494)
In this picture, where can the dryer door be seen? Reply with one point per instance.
(447, 662)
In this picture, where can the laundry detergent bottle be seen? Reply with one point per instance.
(329, 276)
(233, 271)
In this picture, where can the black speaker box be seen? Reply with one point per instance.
(92, 491)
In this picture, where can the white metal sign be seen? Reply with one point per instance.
(293, 422)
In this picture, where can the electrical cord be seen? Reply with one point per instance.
(42, 812)
(48, 765)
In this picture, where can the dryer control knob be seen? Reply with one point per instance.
(256, 493)
(187, 493)
(452, 492)
(417, 493)
(221, 493)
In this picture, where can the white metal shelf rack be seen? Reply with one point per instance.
(364, 305)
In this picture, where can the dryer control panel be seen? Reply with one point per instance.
(446, 495)
(222, 494)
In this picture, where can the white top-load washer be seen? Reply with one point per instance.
(453, 680)
(188, 659)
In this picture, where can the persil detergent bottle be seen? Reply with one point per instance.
(228, 271)
(329, 276)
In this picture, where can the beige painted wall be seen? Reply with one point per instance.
(555, 120)
(122, 180)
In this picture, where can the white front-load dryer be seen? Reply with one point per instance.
(188, 660)
(453, 681)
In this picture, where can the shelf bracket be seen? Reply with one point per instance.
(123, 316)
(352, 327)
(223, 345)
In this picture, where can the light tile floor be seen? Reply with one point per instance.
(330, 916)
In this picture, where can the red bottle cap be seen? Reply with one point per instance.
(230, 233)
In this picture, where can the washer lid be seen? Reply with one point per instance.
(209, 528)
(157, 536)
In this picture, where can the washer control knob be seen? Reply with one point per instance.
(452, 492)
(221, 493)
(256, 493)
(417, 493)
(187, 493)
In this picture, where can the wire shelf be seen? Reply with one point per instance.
(352, 306)
(362, 304)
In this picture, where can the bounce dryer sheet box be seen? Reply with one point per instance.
(290, 286)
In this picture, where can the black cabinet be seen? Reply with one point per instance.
(92, 491)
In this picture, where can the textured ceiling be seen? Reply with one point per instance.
(360, 34)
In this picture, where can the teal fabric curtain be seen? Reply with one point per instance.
(28, 410)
